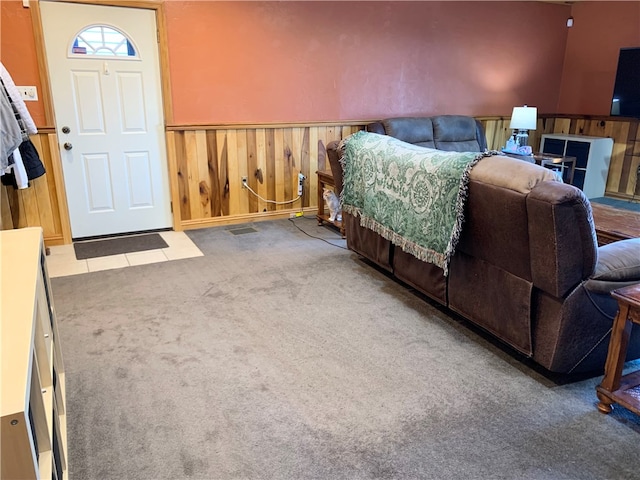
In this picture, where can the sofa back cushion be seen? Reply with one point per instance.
(415, 130)
(455, 133)
(496, 227)
(458, 133)
(521, 219)
(564, 248)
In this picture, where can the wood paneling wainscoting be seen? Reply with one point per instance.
(622, 181)
(206, 164)
(44, 203)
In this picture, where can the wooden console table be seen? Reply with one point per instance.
(615, 388)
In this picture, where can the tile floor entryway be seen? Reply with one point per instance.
(62, 261)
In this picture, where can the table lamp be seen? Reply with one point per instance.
(523, 119)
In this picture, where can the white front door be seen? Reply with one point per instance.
(109, 117)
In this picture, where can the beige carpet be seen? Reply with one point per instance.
(279, 356)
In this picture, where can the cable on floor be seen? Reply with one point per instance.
(313, 236)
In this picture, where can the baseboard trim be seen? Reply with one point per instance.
(245, 218)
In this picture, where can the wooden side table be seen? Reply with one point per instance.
(615, 388)
(325, 179)
(549, 160)
(565, 162)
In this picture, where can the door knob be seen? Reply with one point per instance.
(66, 129)
(67, 146)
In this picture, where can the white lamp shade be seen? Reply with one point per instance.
(524, 118)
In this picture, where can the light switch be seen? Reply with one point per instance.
(28, 94)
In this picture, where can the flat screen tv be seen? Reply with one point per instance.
(626, 91)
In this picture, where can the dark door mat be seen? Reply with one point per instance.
(118, 245)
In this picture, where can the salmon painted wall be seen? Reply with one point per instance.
(18, 51)
(314, 61)
(591, 59)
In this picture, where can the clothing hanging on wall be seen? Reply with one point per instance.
(11, 136)
(23, 163)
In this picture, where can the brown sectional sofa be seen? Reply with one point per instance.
(527, 267)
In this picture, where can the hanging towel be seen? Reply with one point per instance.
(22, 181)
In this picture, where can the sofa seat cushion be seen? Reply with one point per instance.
(618, 265)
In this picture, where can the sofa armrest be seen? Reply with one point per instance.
(618, 266)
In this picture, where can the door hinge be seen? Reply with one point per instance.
(171, 206)
(158, 35)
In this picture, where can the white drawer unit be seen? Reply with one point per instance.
(593, 155)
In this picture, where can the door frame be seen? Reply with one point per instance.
(47, 98)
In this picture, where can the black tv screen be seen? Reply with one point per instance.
(626, 91)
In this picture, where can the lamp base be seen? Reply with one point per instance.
(522, 138)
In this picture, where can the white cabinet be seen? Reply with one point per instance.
(32, 382)
(593, 155)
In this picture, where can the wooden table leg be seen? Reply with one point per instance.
(320, 201)
(618, 344)
(572, 171)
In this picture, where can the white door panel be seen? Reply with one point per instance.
(131, 102)
(115, 172)
(87, 100)
(98, 182)
(138, 170)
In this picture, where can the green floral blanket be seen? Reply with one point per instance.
(412, 196)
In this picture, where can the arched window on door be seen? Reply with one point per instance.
(103, 41)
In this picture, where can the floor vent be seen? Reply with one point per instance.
(242, 231)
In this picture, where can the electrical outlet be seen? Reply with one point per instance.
(244, 182)
(28, 94)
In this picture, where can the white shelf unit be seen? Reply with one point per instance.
(32, 383)
(593, 155)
